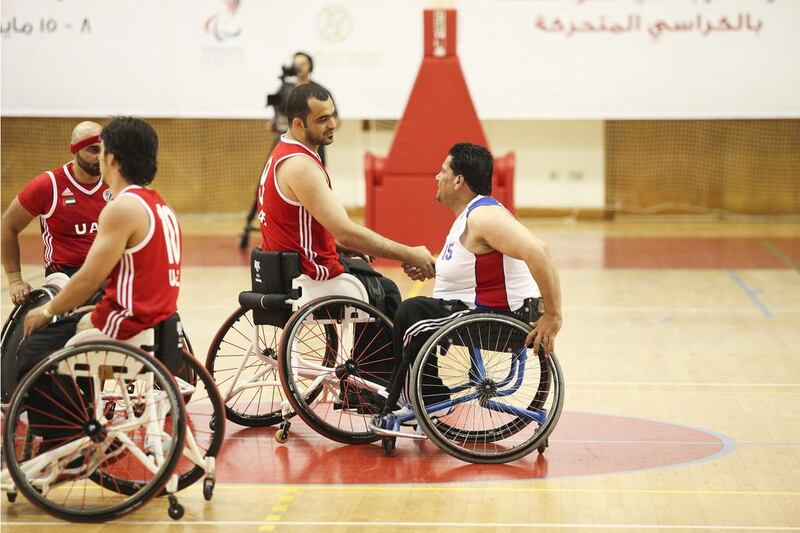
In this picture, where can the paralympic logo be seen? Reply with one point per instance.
(223, 26)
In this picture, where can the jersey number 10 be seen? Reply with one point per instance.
(172, 238)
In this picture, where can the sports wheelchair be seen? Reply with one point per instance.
(96, 429)
(477, 391)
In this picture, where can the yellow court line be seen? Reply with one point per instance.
(479, 488)
(277, 509)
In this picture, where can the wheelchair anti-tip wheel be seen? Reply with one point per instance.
(333, 355)
(64, 448)
(481, 395)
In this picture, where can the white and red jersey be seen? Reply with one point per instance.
(286, 226)
(67, 211)
(489, 280)
(143, 288)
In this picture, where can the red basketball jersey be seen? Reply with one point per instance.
(286, 226)
(143, 287)
(67, 211)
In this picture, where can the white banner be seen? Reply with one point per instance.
(523, 59)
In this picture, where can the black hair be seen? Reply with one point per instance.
(135, 145)
(475, 163)
(310, 61)
(297, 104)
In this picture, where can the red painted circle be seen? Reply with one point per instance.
(582, 444)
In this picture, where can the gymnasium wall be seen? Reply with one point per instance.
(582, 167)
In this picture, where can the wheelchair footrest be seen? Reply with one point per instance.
(391, 433)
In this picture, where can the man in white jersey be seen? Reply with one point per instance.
(490, 261)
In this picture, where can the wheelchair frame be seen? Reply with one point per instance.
(36, 476)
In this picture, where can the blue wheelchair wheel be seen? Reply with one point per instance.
(481, 395)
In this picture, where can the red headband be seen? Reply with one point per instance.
(94, 139)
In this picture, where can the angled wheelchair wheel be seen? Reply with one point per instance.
(205, 425)
(90, 417)
(481, 395)
(12, 336)
(335, 356)
(242, 360)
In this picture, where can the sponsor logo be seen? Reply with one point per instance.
(334, 23)
(107, 195)
(66, 192)
(257, 268)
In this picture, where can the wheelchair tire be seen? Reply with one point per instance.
(67, 382)
(12, 337)
(346, 336)
(490, 417)
(223, 360)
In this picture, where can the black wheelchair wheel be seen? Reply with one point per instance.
(481, 395)
(12, 337)
(63, 402)
(333, 354)
(231, 366)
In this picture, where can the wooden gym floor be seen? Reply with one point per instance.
(681, 351)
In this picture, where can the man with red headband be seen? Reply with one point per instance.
(67, 200)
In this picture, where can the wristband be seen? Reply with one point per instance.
(14, 277)
(47, 312)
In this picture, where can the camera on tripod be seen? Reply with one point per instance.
(277, 100)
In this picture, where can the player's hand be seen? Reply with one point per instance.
(421, 258)
(413, 272)
(34, 320)
(544, 333)
(19, 292)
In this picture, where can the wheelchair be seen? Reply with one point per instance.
(242, 357)
(477, 391)
(98, 428)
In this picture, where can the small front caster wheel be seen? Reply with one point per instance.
(208, 488)
(543, 446)
(388, 444)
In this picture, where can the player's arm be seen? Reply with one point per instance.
(498, 229)
(15, 219)
(117, 224)
(307, 182)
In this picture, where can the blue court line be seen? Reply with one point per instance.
(750, 294)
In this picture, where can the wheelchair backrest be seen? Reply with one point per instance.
(272, 273)
(169, 344)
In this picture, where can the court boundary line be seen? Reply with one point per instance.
(418, 525)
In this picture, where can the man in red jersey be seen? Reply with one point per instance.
(138, 244)
(67, 200)
(137, 248)
(298, 210)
